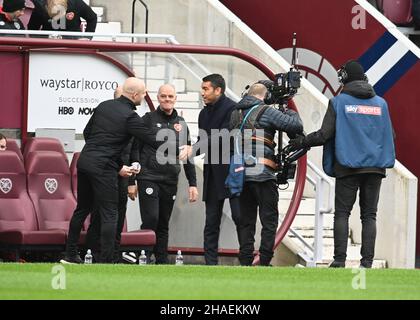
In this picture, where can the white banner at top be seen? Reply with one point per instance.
(64, 89)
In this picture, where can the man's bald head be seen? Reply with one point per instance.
(134, 89)
(132, 85)
(167, 87)
(258, 91)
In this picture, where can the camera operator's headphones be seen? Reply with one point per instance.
(342, 75)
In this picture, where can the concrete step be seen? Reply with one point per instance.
(305, 220)
(153, 73)
(109, 28)
(306, 206)
(377, 264)
(328, 242)
(190, 96)
(353, 251)
(180, 85)
(193, 106)
(286, 194)
(154, 81)
(308, 232)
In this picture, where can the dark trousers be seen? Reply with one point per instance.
(214, 211)
(156, 204)
(94, 231)
(98, 192)
(346, 188)
(262, 197)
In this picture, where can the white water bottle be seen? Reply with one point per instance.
(179, 259)
(88, 257)
(142, 258)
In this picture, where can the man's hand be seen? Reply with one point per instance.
(126, 172)
(136, 167)
(297, 143)
(132, 192)
(185, 152)
(193, 194)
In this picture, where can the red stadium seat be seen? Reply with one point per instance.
(130, 239)
(43, 144)
(49, 188)
(18, 223)
(397, 11)
(13, 146)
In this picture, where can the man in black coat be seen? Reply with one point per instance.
(215, 116)
(10, 13)
(93, 234)
(107, 133)
(157, 181)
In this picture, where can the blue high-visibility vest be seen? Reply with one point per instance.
(363, 134)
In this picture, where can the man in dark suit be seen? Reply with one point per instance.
(215, 116)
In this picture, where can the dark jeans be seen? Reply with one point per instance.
(156, 203)
(94, 231)
(369, 185)
(98, 192)
(262, 197)
(214, 211)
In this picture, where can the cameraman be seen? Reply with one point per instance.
(358, 145)
(260, 188)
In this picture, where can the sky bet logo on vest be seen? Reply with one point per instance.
(367, 110)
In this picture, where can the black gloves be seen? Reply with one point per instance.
(297, 143)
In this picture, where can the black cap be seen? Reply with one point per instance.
(13, 5)
(354, 71)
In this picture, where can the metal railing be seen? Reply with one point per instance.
(201, 67)
(133, 16)
(320, 183)
(113, 36)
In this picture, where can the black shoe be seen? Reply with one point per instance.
(337, 264)
(71, 260)
(364, 265)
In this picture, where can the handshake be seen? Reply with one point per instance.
(128, 171)
(185, 152)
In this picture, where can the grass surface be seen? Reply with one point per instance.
(35, 281)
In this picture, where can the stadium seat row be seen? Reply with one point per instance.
(399, 12)
(38, 197)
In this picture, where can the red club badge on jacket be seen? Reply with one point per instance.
(70, 16)
(177, 127)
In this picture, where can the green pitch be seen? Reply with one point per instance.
(54, 281)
